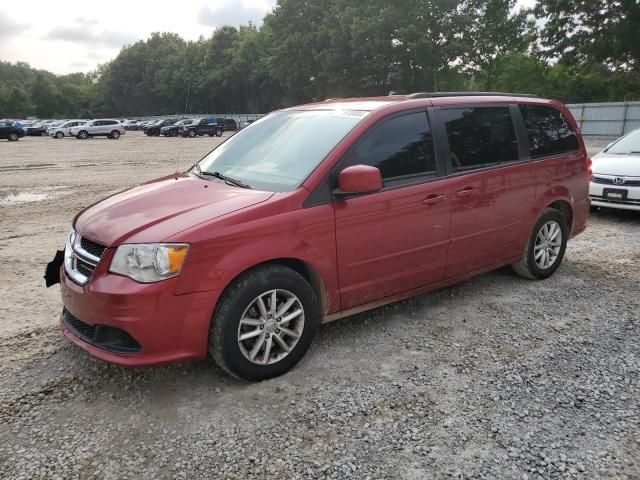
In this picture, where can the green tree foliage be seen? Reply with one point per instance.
(591, 32)
(574, 50)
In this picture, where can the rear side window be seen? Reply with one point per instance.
(548, 132)
(401, 147)
(479, 136)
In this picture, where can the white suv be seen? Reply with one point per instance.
(105, 127)
(63, 129)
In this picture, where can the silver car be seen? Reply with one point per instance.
(64, 129)
(102, 127)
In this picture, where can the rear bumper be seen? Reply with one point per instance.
(154, 325)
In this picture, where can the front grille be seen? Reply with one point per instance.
(626, 181)
(92, 247)
(108, 338)
(81, 257)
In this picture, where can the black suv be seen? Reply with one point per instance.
(154, 128)
(202, 126)
(11, 130)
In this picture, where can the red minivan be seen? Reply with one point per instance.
(318, 212)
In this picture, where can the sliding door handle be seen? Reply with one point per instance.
(433, 199)
(466, 192)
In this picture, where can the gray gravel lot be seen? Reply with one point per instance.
(498, 377)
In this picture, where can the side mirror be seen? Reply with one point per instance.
(359, 179)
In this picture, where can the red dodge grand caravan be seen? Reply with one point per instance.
(318, 212)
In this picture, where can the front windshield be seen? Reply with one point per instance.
(627, 145)
(279, 151)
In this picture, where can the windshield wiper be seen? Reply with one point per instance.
(228, 180)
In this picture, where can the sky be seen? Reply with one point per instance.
(62, 38)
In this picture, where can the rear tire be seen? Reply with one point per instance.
(115, 135)
(59, 135)
(275, 342)
(82, 135)
(13, 137)
(544, 252)
(192, 133)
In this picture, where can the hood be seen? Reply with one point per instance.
(161, 208)
(618, 165)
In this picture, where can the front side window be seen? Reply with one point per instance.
(279, 151)
(549, 133)
(401, 147)
(479, 136)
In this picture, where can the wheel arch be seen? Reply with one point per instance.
(564, 207)
(305, 269)
(558, 197)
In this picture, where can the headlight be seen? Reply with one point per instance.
(148, 263)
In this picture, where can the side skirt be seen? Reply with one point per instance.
(417, 291)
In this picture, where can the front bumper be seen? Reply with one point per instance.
(622, 197)
(154, 325)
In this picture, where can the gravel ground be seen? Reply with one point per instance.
(498, 377)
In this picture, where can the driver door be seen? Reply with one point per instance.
(397, 239)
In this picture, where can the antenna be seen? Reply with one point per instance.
(186, 104)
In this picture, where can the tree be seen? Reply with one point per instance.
(587, 31)
(490, 31)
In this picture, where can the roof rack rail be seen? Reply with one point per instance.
(468, 94)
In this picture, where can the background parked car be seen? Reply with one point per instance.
(105, 127)
(202, 126)
(154, 129)
(37, 129)
(616, 174)
(64, 129)
(131, 125)
(173, 129)
(11, 130)
(230, 125)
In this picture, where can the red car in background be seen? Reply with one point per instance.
(318, 212)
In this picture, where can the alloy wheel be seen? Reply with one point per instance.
(270, 327)
(548, 244)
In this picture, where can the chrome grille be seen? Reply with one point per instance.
(622, 182)
(81, 257)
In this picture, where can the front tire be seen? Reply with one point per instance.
(59, 135)
(13, 137)
(115, 135)
(192, 133)
(264, 323)
(545, 248)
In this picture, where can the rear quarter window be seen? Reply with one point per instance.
(548, 131)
